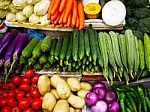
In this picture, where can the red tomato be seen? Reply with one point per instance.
(16, 109)
(11, 102)
(24, 103)
(4, 94)
(20, 95)
(3, 102)
(28, 110)
(34, 79)
(33, 86)
(29, 73)
(28, 95)
(17, 90)
(35, 93)
(16, 80)
(36, 104)
(11, 93)
(24, 87)
(6, 109)
(25, 80)
(10, 85)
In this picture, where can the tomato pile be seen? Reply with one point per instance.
(21, 94)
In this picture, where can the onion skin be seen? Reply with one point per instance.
(91, 98)
(99, 84)
(100, 106)
(110, 97)
(114, 107)
(101, 92)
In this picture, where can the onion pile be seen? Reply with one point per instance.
(102, 100)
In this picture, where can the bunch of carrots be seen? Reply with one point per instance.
(66, 13)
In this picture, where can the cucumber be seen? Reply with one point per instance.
(47, 66)
(81, 45)
(86, 43)
(52, 49)
(37, 66)
(22, 60)
(31, 61)
(58, 48)
(27, 51)
(37, 50)
(43, 59)
(46, 44)
(69, 50)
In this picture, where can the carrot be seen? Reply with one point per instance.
(77, 21)
(81, 15)
(74, 13)
(55, 6)
(62, 5)
(50, 8)
(62, 16)
(69, 20)
(68, 10)
(65, 25)
(55, 15)
(57, 19)
(61, 25)
(53, 25)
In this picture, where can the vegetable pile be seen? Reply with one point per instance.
(67, 13)
(102, 100)
(133, 98)
(61, 95)
(21, 94)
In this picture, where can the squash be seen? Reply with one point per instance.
(92, 10)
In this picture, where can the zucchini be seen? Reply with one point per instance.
(43, 59)
(37, 66)
(27, 51)
(46, 44)
(81, 45)
(31, 61)
(52, 49)
(37, 50)
(86, 43)
(58, 48)
(22, 60)
(69, 50)
(47, 66)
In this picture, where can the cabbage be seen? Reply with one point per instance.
(44, 20)
(11, 17)
(32, 1)
(4, 4)
(41, 7)
(13, 8)
(19, 3)
(20, 17)
(35, 19)
(28, 10)
(3, 13)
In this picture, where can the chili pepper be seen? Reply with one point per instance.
(128, 104)
(145, 92)
(139, 101)
(148, 92)
(128, 110)
(122, 102)
(148, 103)
(134, 96)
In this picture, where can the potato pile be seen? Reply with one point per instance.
(62, 96)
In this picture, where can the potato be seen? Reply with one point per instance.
(55, 79)
(77, 110)
(63, 90)
(43, 84)
(74, 84)
(61, 106)
(82, 93)
(54, 92)
(49, 101)
(86, 86)
(76, 101)
(71, 109)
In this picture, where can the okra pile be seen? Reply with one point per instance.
(117, 55)
(133, 98)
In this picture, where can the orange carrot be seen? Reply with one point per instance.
(55, 15)
(53, 25)
(62, 16)
(50, 8)
(62, 5)
(81, 15)
(57, 19)
(77, 21)
(61, 25)
(65, 25)
(74, 13)
(68, 10)
(69, 20)
(55, 6)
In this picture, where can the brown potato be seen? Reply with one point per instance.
(71, 109)
(61, 106)
(54, 92)
(82, 93)
(74, 84)
(86, 86)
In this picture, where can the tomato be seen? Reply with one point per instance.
(24, 87)
(11, 93)
(36, 104)
(28, 95)
(24, 103)
(35, 93)
(25, 80)
(16, 109)
(34, 79)
(16, 80)
(6, 109)
(10, 85)
(17, 90)
(28, 110)
(4, 94)
(11, 102)
(3, 102)
(33, 86)
(29, 73)
(20, 95)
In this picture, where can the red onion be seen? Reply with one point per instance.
(100, 106)
(114, 107)
(110, 97)
(99, 84)
(101, 92)
(91, 98)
